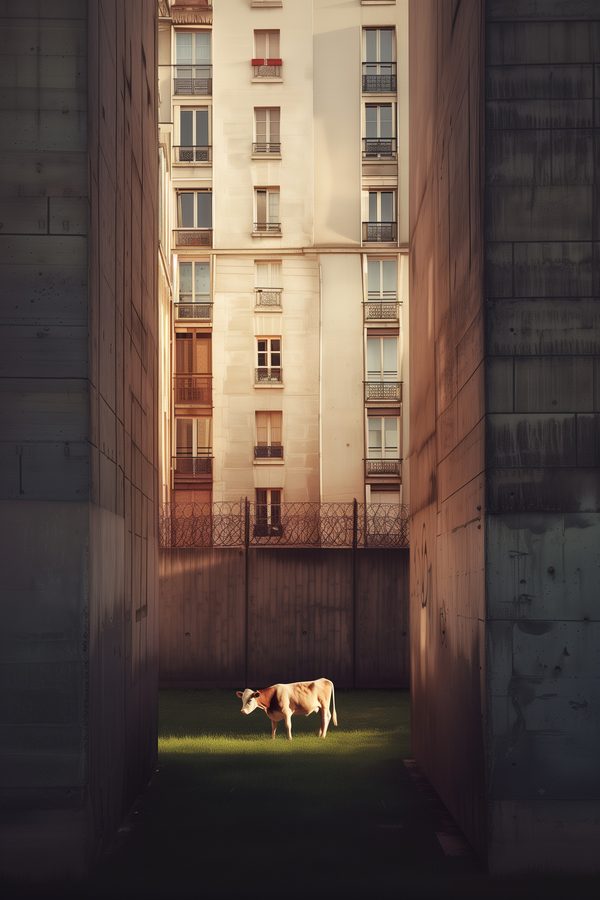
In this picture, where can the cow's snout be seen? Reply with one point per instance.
(244, 712)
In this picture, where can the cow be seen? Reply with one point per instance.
(281, 701)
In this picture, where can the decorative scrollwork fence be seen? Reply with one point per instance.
(244, 523)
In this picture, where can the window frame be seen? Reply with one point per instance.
(180, 192)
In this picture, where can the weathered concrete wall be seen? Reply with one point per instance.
(78, 388)
(447, 404)
(543, 433)
(514, 754)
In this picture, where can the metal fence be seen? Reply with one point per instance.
(244, 523)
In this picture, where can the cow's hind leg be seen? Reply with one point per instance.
(325, 719)
(273, 729)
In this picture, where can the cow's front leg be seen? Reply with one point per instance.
(325, 719)
(287, 714)
(273, 728)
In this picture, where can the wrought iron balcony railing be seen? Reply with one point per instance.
(268, 375)
(190, 80)
(269, 297)
(266, 228)
(390, 468)
(379, 148)
(235, 524)
(379, 78)
(383, 390)
(193, 389)
(187, 467)
(193, 237)
(381, 310)
(266, 68)
(268, 148)
(192, 154)
(200, 310)
(379, 232)
(268, 451)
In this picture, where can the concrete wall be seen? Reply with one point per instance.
(78, 491)
(542, 433)
(447, 405)
(505, 677)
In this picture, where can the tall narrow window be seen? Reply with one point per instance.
(193, 380)
(266, 129)
(267, 54)
(268, 283)
(380, 223)
(379, 66)
(383, 437)
(268, 436)
(380, 140)
(382, 382)
(267, 512)
(194, 140)
(194, 290)
(267, 211)
(268, 358)
(193, 71)
(382, 278)
(194, 219)
(193, 453)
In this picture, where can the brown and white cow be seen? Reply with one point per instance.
(281, 701)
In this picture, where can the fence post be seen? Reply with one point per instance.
(246, 586)
(354, 546)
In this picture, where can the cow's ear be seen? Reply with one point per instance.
(239, 694)
(256, 694)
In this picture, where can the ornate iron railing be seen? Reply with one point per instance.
(266, 375)
(193, 389)
(383, 390)
(268, 297)
(381, 310)
(194, 309)
(190, 468)
(192, 154)
(192, 80)
(379, 78)
(266, 68)
(266, 148)
(268, 451)
(376, 466)
(243, 523)
(193, 237)
(379, 232)
(266, 228)
(379, 148)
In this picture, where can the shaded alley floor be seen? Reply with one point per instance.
(232, 814)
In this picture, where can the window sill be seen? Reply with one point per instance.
(267, 309)
(270, 79)
(266, 234)
(269, 462)
(269, 385)
(266, 156)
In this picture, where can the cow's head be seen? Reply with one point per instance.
(248, 698)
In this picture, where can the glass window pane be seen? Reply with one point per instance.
(274, 123)
(262, 430)
(373, 356)
(262, 274)
(261, 207)
(183, 47)
(374, 436)
(186, 210)
(202, 279)
(205, 209)
(202, 128)
(273, 206)
(386, 129)
(276, 428)
(385, 45)
(373, 217)
(390, 356)
(273, 45)
(186, 128)
(185, 278)
(370, 45)
(260, 116)
(390, 277)
(391, 433)
(202, 47)
(374, 276)
(260, 44)
(371, 121)
(184, 436)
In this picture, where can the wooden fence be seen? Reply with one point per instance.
(247, 616)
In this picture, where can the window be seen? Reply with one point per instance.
(382, 278)
(383, 437)
(379, 141)
(380, 224)
(193, 71)
(268, 512)
(268, 283)
(194, 209)
(194, 291)
(267, 211)
(379, 67)
(266, 130)
(268, 357)
(193, 443)
(382, 358)
(194, 140)
(268, 436)
(267, 55)
(192, 353)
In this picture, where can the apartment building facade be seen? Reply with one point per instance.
(284, 155)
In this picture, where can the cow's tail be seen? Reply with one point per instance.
(334, 716)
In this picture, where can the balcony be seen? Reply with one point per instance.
(375, 467)
(379, 232)
(267, 375)
(268, 298)
(189, 468)
(379, 78)
(191, 80)
(268, 451)
(379, 148)
(194, 389)
(192, 155)
(266, 68)
(386, 391)
(266, 148)
(199, 310)
(192, 237)
(381, 310)
(266, 228)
